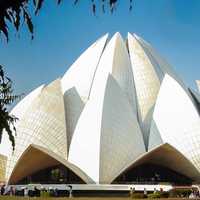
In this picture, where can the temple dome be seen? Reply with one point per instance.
(119, 106)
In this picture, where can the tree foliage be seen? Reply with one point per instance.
(16, 12)
(7, 120)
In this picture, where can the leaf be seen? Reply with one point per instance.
(7, 16)
(34, 2)
(113, 2)
(93, 7)
(1, 72)
(112, 5)
(131, 6)
(9, 80)
(38, 6)
(17, 19)
(11, 15)
(76, 1)
(28, 22)
(103, 6)
(4, 29)
(7, 121)
(59, 1)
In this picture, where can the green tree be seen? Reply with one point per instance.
(7, 120)
(17, 11)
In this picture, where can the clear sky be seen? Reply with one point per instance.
(63, 32)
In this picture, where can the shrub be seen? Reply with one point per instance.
(179, 192)
(158, 195)
(138, 196)
(164, 194)
(45, 194)
(154, 195)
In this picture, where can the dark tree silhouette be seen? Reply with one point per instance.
(17, 11)
(7, 120)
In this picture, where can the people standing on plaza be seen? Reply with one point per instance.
(56, 192)
(191, 196)
(145, 192)
(132, 190)
(26, 192)
(70, 191)
(36, 192)
(2, 189)
(12, 191)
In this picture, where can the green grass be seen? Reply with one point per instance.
(75, 198)
(63, 198)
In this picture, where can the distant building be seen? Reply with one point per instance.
(120, 114)
(3, 162)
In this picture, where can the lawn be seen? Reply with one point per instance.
(76, 198)
(63, 198)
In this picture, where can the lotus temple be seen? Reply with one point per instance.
(119, 115)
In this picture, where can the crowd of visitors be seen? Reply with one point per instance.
(191, 193)
(35, 191)
(194, 194)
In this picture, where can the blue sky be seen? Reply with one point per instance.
(63, 32)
